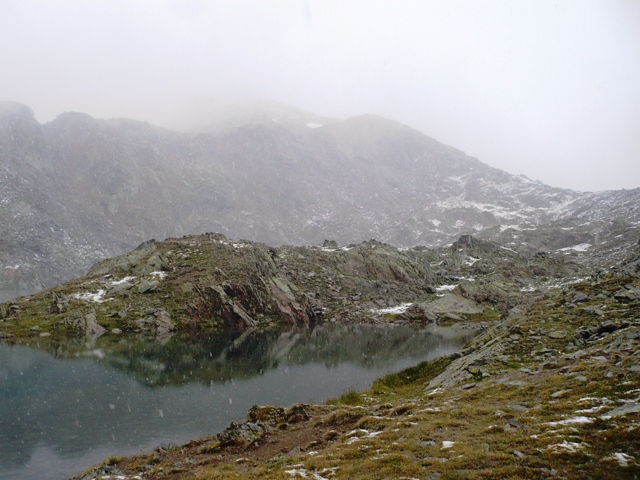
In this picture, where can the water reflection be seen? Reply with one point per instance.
(69, 405)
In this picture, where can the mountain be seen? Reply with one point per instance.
(76, 190)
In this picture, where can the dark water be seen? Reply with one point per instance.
(66, 406)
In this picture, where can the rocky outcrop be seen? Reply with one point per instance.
(208, 281)
(260, 421)
(87, 325)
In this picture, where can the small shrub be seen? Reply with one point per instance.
(349, 398)
(424, 371)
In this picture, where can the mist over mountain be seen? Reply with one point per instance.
(78, 189)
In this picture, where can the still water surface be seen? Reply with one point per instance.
(66, 406)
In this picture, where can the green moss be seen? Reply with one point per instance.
(424, 371)
(349, 398)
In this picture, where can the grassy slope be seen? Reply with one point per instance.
(533, 403)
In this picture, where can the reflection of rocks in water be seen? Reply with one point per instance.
(98, 396)
(180, 359)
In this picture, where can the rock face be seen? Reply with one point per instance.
(77, 190)
(209, 281)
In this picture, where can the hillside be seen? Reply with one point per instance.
(211, 282)
(77, 189)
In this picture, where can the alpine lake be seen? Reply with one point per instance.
(66, 405)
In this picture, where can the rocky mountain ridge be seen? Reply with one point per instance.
(78, 189)
(208, 281)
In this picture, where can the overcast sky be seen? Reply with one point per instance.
(549, 89)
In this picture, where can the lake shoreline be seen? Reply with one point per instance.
(68, 403)
(550, 390)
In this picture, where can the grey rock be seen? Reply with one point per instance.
(88, 325)
(627, 295)
(518, 408)
(515, 424)
(163, 323)
(427, 443)
(148, 286)
(103, 471)
(600, 358)
(159, 323)
(610, 326)
(557, 334)
(451, 303)
(578, 297)
(119, 288)
(623, 410)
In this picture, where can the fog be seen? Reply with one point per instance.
(547, 89)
